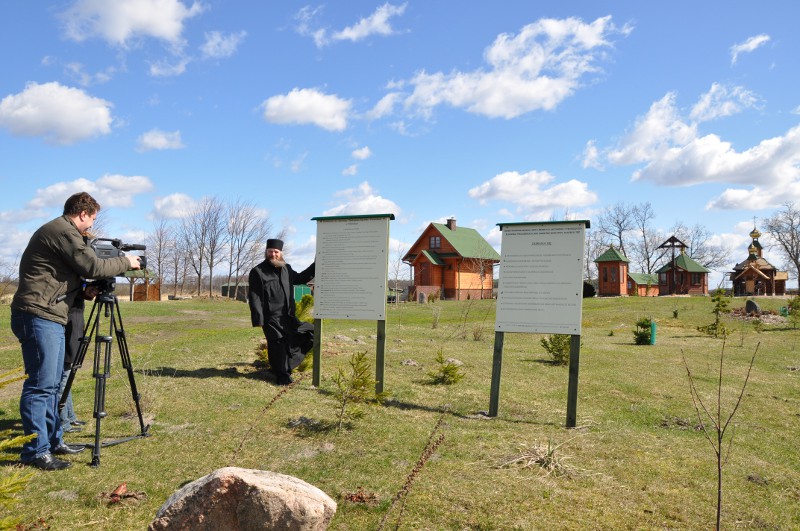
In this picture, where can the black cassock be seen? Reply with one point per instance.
(272, 307)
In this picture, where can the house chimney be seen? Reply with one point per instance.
(451, 224)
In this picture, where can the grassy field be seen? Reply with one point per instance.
(636, 460)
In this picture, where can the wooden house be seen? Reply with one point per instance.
(454, 263)
(643, 285)
(755, 275)
(614, 279)
(681, 275)
(612, 273)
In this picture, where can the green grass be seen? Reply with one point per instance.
(633, 462)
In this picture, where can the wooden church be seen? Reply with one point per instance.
(755, 275)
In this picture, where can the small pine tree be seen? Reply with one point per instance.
(794, 311)
(16, 481)
(721, 306)
(557, 346)
(354, 389)
(303, 308)
(642, 332)
(447, 372)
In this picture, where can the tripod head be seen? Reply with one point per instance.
(105, 286)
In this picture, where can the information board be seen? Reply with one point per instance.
(540, 289)
(352, 267)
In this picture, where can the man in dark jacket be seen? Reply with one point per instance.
(272, 307)
(51, 273)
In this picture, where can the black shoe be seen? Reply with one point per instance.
(72, 429)
(285, 380)
(78, 423)
(67, 449)
(48, 462)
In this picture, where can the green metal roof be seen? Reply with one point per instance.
(433, 257)
(468, 242)
(644, 279)
(683, 261)
(611, 255)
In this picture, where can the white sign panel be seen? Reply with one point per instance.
(540, 289)
(352, 268)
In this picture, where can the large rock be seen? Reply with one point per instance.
(242, 499)
(751, 307)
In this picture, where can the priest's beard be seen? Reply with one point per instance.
(277, 262)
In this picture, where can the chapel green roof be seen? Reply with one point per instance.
(644, 279)
(683, 261)
(467, 242)
(611, 255)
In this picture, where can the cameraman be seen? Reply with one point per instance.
(50, 277)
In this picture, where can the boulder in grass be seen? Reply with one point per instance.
(236, 499)
(751, 308)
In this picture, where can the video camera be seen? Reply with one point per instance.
(112, 248)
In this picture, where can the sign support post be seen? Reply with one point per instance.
(540, 290)
(352, 277)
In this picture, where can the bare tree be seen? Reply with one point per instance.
(160, 247)
(784, 228)
(397, 270)
(247, 229)
(616, 222)
(216, 235)
(594, 245)
(702, 251)
(9, 273)
(203, 233)
(644, 249)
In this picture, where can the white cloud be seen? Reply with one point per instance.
(168, 68)
(155, 139)
(660, 129)
(722, 101)
(591, 156)
(78, 72)
(378, 23)
(375, 24)
(218, 46)
(362, 200)
(120, 21)
(59, 114)
(362, 153)
(535, 69)
(308, 106)
(747, 46)
(173, 206)
(533, 190)
(110, 190)
(350, 170)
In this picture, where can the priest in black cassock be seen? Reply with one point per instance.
(272, 307)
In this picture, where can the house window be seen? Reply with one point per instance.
(605, 274)
(662, 278)
(696, 279)
(630, 285)
(614, 274)
(436, 242)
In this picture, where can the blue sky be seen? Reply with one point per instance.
(489, 112)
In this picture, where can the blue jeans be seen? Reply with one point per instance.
(43, 354)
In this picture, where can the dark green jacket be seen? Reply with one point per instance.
(52, 269)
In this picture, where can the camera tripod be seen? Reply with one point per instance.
(105, 303)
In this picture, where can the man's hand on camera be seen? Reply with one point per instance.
(134, 261)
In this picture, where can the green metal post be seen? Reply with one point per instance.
(497, 365)
(316, 369)
(572, 390)
(379, 356)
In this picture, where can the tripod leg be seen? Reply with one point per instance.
(88, 332)
(102, 364)
(126, 363)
